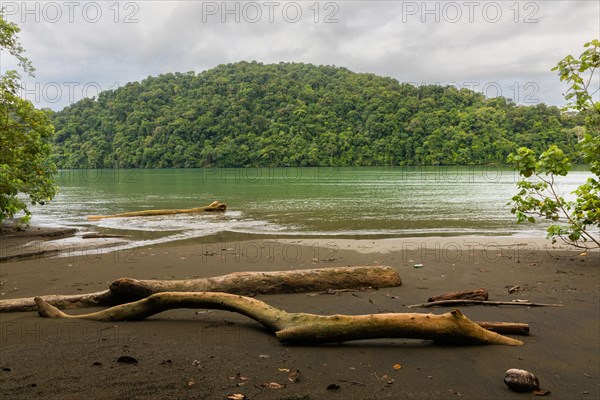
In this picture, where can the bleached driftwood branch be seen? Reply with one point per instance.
(301, 328)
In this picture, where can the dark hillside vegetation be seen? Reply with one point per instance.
(250, 114)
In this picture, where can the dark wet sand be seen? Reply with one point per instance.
(194, 354)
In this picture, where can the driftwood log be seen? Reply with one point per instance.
(215, 206)
(250, 283)
(301, 328)
(295, 281)
(476, 294)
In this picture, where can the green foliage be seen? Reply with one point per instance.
(25, 139)
(579, 73)
(249, 114)
(540, 197)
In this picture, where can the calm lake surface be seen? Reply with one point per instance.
(341, 202)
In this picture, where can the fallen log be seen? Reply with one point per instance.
(295, 281)
(485, 303)
(251, 283)
(301, 328)
(476, 294)
(215, 206)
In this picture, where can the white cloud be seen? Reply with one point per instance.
(509, 43)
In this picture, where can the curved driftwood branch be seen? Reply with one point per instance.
(215, 206)
(295, 281)
(300, 328)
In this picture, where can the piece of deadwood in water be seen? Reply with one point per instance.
(295, 281)
(301, 328)
(215, 206)
(248, 283)
(476, 294)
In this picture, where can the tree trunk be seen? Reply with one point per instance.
(300, 328)
(215, 206)
(311, 280)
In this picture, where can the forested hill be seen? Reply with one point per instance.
(250, 114)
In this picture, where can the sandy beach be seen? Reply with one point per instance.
(201, 354)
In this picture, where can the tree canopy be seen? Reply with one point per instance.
(294, 114)
(25, 138)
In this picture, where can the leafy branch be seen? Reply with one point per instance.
(538, 194)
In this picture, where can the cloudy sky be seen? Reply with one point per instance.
(495, 47)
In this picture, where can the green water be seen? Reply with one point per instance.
(350, 202)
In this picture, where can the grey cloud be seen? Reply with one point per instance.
(386, 38)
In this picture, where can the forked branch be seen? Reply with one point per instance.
(301, 328)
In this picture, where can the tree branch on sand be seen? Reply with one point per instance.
(475, 294)
(484, 303)
(301, 328)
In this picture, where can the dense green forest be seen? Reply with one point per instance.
(250, 114)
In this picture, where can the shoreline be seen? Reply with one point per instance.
(191, 354)
(48, 241)
(439, 243)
